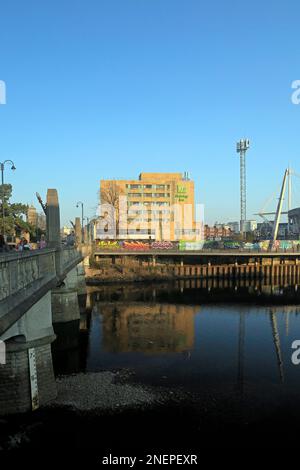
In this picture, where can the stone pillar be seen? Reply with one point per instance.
(21, 388)
(81, 284)
(78, 231)
(53, 226)
(53, 219)
(65, 305)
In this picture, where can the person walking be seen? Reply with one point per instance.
(24, 245)
(42, 243)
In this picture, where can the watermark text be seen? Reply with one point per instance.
(2, 92)
(296, 94)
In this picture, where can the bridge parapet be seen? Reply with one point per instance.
(25, 278)
(18, 271)
(70, 257)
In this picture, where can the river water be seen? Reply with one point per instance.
(211, 361)
(189, 335)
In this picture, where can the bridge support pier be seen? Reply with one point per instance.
(24, 384)
(81, 284)
(16, 395)
(65, 306)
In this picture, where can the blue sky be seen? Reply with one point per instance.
(100, 89)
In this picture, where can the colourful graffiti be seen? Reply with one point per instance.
(135, 245)
(264, 245)
(109, 245)
(251, 246)
(190, 246)
(163, 245)
(232, 245)
(279, 245)
(183, 245)
(288, 245)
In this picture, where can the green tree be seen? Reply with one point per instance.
(14, 214)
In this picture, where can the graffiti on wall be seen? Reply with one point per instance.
(163, 245)
(136, 245)
(183, 245)
(190, 246)
(108, 245)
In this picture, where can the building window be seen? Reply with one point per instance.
(134, 194)
(156, 195)
(134, 186)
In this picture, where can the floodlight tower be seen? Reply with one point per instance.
(241, 148)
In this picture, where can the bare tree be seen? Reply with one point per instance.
(110, 194)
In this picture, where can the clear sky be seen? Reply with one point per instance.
(109, 88)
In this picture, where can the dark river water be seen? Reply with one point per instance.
(216, 357)
(188, 335)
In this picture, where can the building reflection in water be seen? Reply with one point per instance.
(148, 328)
(243, 321)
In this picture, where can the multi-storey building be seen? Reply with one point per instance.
(156, 206)
(41, 222)
(35, 219)
(32, 216)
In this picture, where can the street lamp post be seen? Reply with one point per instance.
(79, 203)
(88, 228)
(2, 167)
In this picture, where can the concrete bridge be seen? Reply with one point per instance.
(37, 288)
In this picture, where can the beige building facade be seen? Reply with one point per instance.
(32, 216)
(157, 206)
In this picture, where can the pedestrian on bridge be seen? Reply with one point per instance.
(24, 245)
(42, 243)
